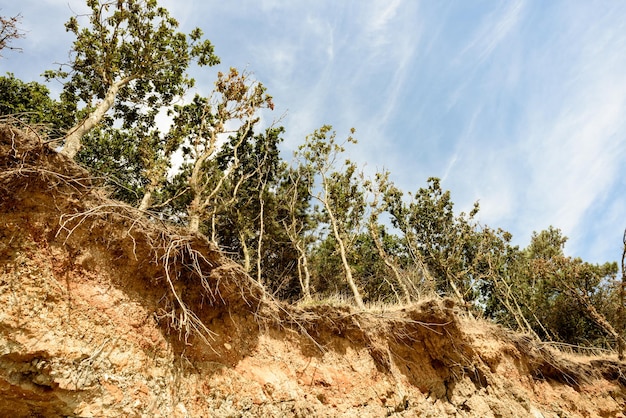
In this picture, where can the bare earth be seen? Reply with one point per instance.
(104, 313)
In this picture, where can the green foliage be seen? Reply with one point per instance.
(247, 207)
(342, 200)
(136, 42)
(446, 243)
(550, 282)
(328, 269)
(370, 271)
(31, 103)
(116, 156)
(294, 215)
(128, 57)
(550, 291)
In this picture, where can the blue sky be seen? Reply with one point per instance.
(520, 105)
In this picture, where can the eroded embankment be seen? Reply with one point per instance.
(104, 313)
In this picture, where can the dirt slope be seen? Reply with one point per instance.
(106, 314)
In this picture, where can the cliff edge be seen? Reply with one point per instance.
(106, 313)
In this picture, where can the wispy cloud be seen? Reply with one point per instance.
(577, 153)
(380, 17)
(572, 139)
(494, 29)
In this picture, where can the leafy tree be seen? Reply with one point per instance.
(228, 114)
(130, 56)
(294, 199)
(379, 189)
(554, 296)
(9, 31)
(376, 278)
(275, 253)
(130, 160)
(565, 293)
(400, 214)
(442, 244)
(254, 163)
(343, 203)
(31, 103)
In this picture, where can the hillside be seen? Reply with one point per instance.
(105, 313)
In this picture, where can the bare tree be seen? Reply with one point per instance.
(9, 31)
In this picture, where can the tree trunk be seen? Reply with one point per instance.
(146, 201)
(194, 215)
(344, 258)
(74, 136)
(306, 283)
(381, 252)
(259, 250)
(246, 252)
(194, 223)
(303, 264)
(195, 207)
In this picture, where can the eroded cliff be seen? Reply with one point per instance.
(106, 313)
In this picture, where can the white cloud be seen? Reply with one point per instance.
(380, 17)
(577, 141)
(496, 27)
(548, 145)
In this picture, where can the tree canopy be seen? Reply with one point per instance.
(129, 55)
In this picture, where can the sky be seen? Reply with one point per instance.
(517, 104)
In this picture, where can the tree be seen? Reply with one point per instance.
(294, 197)
(254, 164)
(498, 264)
(342, 201)
(155, 154)
(442, 244)
(400, 214)
(130, 56)
(374, 275)
(379, 189)
(129, 160)
(228, 114)
(31, 103)
(9, 31)
(557, 297)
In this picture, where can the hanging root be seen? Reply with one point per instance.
(183, 318)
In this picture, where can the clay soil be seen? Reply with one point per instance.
(106, 313)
